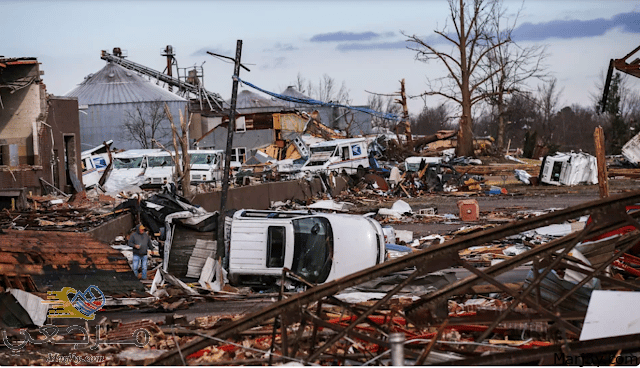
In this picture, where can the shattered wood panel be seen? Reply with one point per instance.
(59, 259)
(289, 122)
(182, 246)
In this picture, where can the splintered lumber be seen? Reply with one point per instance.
(603, 180)
(204, 249)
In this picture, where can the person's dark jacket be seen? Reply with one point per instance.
(142, 239)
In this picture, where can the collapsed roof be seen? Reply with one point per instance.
(40, 261)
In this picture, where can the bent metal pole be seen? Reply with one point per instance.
(227, 156)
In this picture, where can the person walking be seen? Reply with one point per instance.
(140, 242)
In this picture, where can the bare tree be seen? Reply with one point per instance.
(472, 41)
(385, 104)
(180, 153)
(144, 124)
(327, 90)
(299, 84)
(432, 119)
(509, 66)
(548, 101)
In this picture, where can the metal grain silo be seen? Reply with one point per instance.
(114, 96)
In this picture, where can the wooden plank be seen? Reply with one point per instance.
(202, 253)
(603, 179)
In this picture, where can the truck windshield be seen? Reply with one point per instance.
(313, 249)
(160, 161)
(127, 163)
(203, 158)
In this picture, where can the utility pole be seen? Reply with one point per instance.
(220, 249)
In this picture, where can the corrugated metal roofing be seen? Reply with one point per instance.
(114, 84)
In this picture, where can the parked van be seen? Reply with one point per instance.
(128, 169)
(319, 247)
(206, 166)
(94, 163)
(349, 155)
(160, 169)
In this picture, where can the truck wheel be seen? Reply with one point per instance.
(360, 172)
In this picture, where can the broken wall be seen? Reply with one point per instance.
(39, 134)
(23, 103)
(260, 196)
(63, 119)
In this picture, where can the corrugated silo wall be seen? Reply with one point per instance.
(100, 123)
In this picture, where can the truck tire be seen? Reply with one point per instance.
(360, 172)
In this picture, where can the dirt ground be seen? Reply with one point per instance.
(518, 198)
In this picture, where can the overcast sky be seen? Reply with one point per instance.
(358, 42)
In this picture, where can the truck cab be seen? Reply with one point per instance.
(128, 169)
(349, 155)
(316, 246)
(206, 166)
(160, 169)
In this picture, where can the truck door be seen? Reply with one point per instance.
(344, 155)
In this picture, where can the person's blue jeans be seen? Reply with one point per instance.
(136, 264)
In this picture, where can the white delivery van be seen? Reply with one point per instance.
(413, 163)
(316, 246)
(206, 166)
(128, 169)
(569, 169)
(160, 169)
(349, 155)
(94, 163)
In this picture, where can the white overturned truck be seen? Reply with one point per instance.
(319, 247)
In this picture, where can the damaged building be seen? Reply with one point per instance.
(261, 123)
(353, 122)
(39, 133)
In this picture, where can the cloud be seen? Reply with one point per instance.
(344, 36)
(391, 45)
(567, 29)
(278, 62)
(282, 47)
(372, 46)
(217, 50)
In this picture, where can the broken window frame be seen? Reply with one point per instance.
(127, 162)
(238, 154)
(276, 248)
(312, 257)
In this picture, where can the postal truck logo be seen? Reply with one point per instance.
(69, 303)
